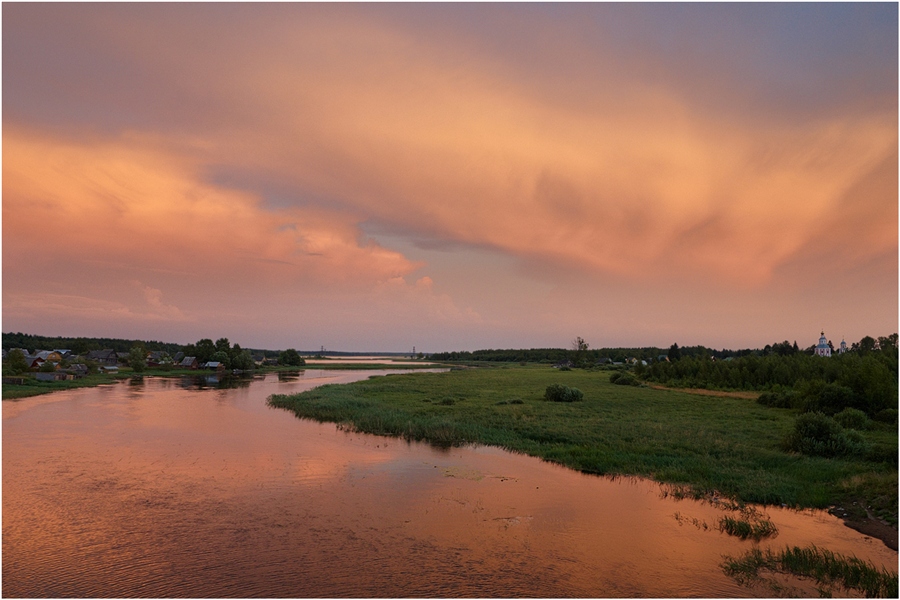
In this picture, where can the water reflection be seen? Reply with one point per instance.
(205, 491)
(289, 375)
(218, 381)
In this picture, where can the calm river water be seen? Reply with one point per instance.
(160, 487)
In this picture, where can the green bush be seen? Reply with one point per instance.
(779, 399)
(15, 362)
(829, 398)
(887, 415)
(852, 418)
(290, 357)
(625, 379)
(562, 393)
(816, 434)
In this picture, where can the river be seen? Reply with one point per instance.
(162, 487)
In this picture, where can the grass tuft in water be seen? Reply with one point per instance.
(833, 571)
(745, 528)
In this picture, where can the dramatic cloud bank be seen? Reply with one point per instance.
(371, 177)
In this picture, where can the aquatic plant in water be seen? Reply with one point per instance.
(832, 571)
(747, 528)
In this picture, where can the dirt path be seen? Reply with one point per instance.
(699, 392)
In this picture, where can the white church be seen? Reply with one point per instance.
(823, 349)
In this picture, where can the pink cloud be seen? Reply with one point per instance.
(597, 177)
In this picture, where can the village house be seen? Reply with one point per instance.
(104, 357)
(77, 370)
(159, 357)
(189, 362)
(49, 355)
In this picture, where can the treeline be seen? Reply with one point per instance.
(82, 345)
(204, 350)
(863, 379)
(555, 355)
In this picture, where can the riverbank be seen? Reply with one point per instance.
(708, 444)
(33, 387)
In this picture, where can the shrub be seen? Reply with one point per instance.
(779, 399)
(15, 362)
(291, 357)
(887, 415)
(615, 376)
(852, 418)
(625, 379)
(831, 399)
(562, 393)
(816, 434)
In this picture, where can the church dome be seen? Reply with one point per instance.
(823, 349)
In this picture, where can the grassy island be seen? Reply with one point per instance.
(704, 443)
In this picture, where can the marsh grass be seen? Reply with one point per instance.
(704, 445)
(833, 571)
(746, 528)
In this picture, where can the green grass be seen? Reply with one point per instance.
(836, 573)
(708, 444)
(36, 388)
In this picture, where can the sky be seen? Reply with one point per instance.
(370, 177)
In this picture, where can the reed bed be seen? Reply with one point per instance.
(835, 572)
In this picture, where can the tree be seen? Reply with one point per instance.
(242, 361)
(205, 349)
(222, 345)
(674, 353)
(221, 357)
(866, 345)
(887, 342)
(137, 359)
(15, 362)
(290, 357)
(580, 347)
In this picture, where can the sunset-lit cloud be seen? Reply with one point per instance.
(231, 159)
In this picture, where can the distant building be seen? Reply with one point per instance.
(189, 362)
(843, 347)
(49, 355)
(214, 365)
(106, 358)
(823, 349)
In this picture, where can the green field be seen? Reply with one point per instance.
(705, 444)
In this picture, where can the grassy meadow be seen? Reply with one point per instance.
(705, 444)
